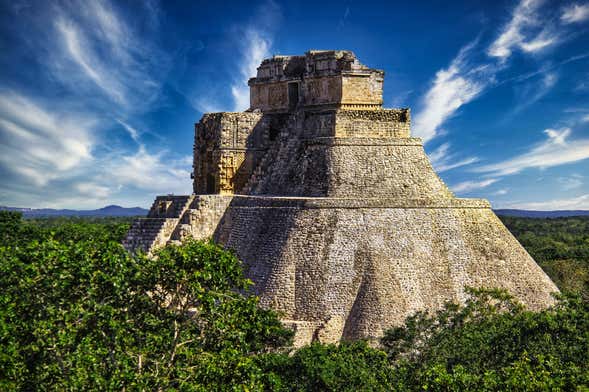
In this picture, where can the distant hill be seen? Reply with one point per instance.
(104, 211)
(541, 214)
(114, 210)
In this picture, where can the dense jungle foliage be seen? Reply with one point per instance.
(559, 245)
(79, 313)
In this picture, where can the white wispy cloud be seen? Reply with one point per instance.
(452, 87)
(442, 159)
(468, 186)
(556, 150)
(572, 182)
(575, 13)
(153, 172)
(40, 143)
(91, 189)
(526, 30)
(78, 50)
(256, 47)
(96, 48)
(133, 132)
(532, 92)
(58, 152)
(501, 192)
(573, 203)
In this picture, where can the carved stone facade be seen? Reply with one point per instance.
(327, 78)
(334, 208)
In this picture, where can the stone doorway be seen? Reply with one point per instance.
(293, 95)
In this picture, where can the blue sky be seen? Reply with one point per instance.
(98, 99)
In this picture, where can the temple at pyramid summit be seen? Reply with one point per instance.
(335, 210)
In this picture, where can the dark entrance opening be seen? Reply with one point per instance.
(210, 184)
(273, 134)
(293, 95)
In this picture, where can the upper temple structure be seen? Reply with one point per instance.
(334, 208)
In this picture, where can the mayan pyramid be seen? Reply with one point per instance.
(335, 209)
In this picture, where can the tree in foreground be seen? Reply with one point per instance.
(493, 343)
(87, 315)
(77, 312)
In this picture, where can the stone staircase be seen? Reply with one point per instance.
(147, 234)
(201, 218)
(262, 167)
(277, 151)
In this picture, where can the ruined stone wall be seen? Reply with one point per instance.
(358, 269)
(384, 123)
(353, 167)
(325, 90)
(269, 97)
(202, 218)
(341, 220)
(348, 92)
(334, 79)
(226, 149)
(362, 88)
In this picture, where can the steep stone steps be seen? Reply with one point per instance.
(260, 169)
(277, 151)
(156, 230)
(201, 218)
(143, 233)
(175, 206)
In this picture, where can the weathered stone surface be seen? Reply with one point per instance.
(335, 210)
(372, 265)
(320, 78)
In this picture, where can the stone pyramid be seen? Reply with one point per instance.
(336, 211)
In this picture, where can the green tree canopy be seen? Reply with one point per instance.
(87, 315)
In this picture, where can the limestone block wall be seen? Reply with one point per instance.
(358, 267)
(226, 149)
(383, 123)
(362, 88)
(320, 78)
(202, 218)
(378, 124)
(321, 90)
(353, 167)
(269, 96)
(378, 168)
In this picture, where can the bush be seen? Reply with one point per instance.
(350, 366)
(87, 315)
(493, 343)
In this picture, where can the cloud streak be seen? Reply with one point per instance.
(532, 92)
(469, 186)
(572, 203)
(41, 144)
(575, 13)
(256, 47)
(524, 31)
(452, 87)
(442, 160)
(557, 149)
(65, 152)
(95, 48)
(150, 172)
(465, 79)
